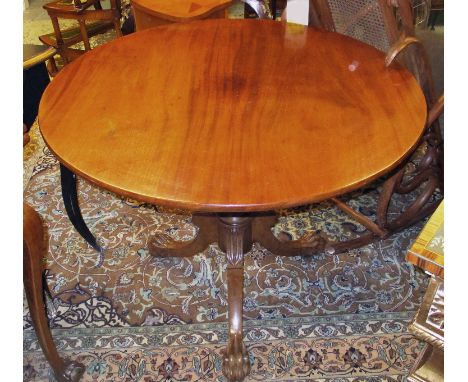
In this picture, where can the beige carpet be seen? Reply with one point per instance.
(128, 316)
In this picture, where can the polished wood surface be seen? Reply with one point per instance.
(152, 13)
(213, 116)
(180, 10)
(35, 54)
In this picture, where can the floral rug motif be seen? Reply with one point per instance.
(129, 316)
(371, 279)
(371, 347)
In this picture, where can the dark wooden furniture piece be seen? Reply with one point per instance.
(35, 79)
(427, 253)
(90, 23)
(34, 251)
(388, 26)
(233, 126)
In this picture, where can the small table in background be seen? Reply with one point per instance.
(151, 13)
(428, 325)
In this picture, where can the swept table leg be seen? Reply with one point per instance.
(70, 199)
(235, 239)
(307, 245)
(164, 245)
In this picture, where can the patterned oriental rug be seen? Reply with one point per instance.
(129, 316)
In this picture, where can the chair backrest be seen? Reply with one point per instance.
(376, 22)
(380, 23)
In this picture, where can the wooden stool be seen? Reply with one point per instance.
(151, 13)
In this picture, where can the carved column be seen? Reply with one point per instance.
(235, 239)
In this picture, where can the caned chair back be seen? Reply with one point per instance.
(375, 22)
(380, 23)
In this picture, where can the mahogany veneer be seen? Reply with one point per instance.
(232, 117)
(212, 116)
(151, 13)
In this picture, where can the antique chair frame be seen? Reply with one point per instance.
(428, 173)
(101, 20)
(34, 251)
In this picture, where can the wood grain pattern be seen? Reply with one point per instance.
(151, 13)
(179, 10)
(213, 116)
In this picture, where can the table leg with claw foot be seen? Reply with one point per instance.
(235, 239)
(236, 364)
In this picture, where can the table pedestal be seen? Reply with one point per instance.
(235, 234)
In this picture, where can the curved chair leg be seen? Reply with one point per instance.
(70, 198)
(33, 251)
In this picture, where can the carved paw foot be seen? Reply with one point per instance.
(236, 364)
(73, 372)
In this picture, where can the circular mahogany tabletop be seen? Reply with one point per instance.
(232, 115)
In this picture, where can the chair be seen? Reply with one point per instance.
(33, 252)
(388, 26)
(380, 23)
(91, 22)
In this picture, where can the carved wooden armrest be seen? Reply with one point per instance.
(423, 69)
(401, 45)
